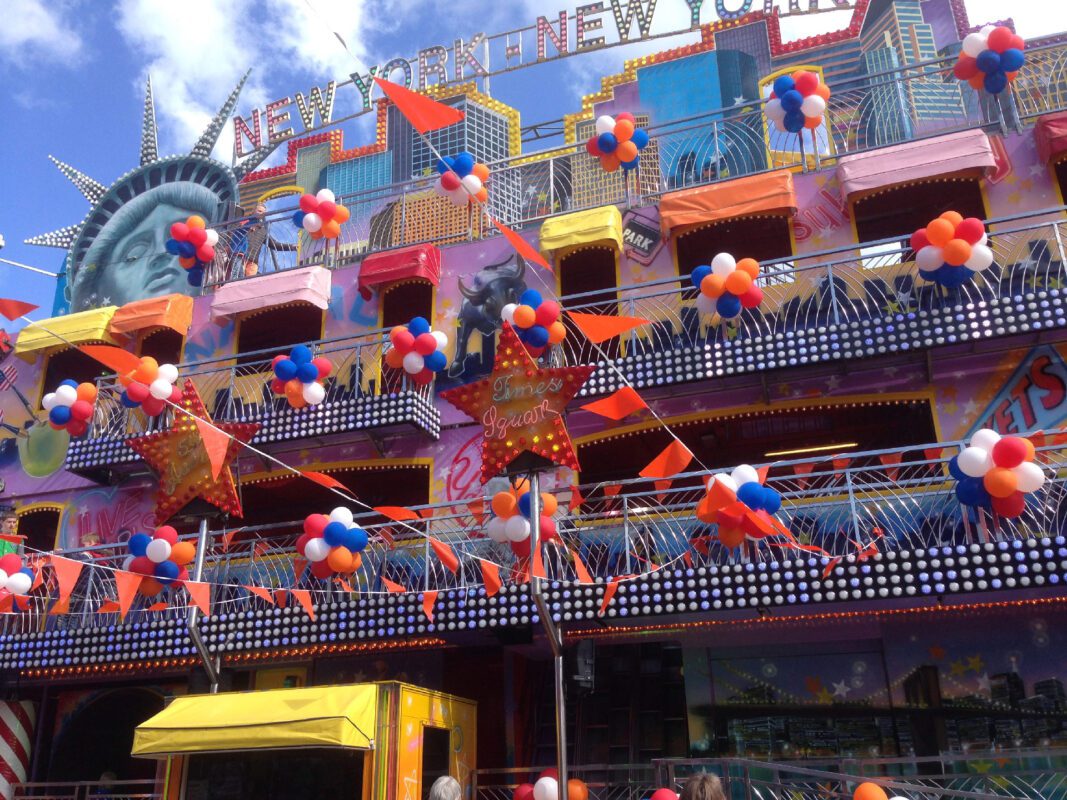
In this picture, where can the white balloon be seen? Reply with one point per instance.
(343, 515)
(813, 106)
(316, 549)
(472, 183)
(325, 196)
(1031, 477)
(986, 438)
(312, 222)
(314, 393)
(727, 481)
(723, 264)
(517, 528)
(442, 339)
(440, 189)
(413, 363)
(929, 258)
(19, 583)
(127, 563)
(975, 462)
(974, 44)
(984, 239)
(168, 372)
(546, 789)
(981, 258)
(65, 395)
(459, 196)
(212, 237)
(987, 29)
(705, 304)
(3, 579)
(507, 313)
(745, 473)
(158, 551)
(605, 124)
(496, 531)
(160, 389)
(774, 111)
(48, 401)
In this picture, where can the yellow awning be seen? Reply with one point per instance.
(57, 332)
(319, 716)
(597, 226)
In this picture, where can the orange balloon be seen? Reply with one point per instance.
(481, 171)
(316, 235)
(738, 282)
(187, 263)
(576, 789)
(394, 358)
(147, 371)
(331, 229)
(610, 162)
(812, 122)
(525, 316)
(869, 791)
(940, 232)
(340, 559)
(731, 537)
(549, 504)
(823, 91)
(87, 392)
(557, 332)
(956, 252)
(196, 221)
(521, 486)
(713, 286)
(1000, 482)
(504, 504)
(482, 195)
(626, 151)
(749, 265)
(955, 217)
(341, 215)
(182, 553)
(1030, 451)
(357, 562)
(624, 131)
(150, 587)
(977, 81)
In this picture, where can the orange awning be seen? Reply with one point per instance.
(769, 193)
(174, 311)
(1050, 132)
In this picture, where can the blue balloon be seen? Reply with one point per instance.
(301, 354)
(1011, 59)
(630, 165)
(995, 82)
(640, 138)
(307, 373)
(525, 502)
(532, 298)
(166, 571)
(728, 305)
(537, 335)
(335, 534)
(127, 402)
(172, 247)
(285, 369)
(791, 100)
(418, 326)
(699, 274)
(195, 276)
(60, 415)
(955, 471)
(954, 277)
(298, 219)
(357, 539)
(971, 492)
(751, 494)
(445, 164)
(27, 571)
(606, 142)
(186, 249)
(772, 501)
(436, 361)
(794, 121)
(783, 84)
(138, 544)
(462, 164)
(69, 382)
(988, 61)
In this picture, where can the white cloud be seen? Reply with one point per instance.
(32, 30)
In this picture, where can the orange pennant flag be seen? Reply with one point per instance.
(303, 596)
(599, 328)
(227, 539)
(446, 554)
(612, 489)
(387, 536)
(13, 309)
(661, 489)
(580, 568)
(674, 459)
(609, 593)
(841, 464)
(424, 113)
(114, 358)
(619, 404)
(261, 547)
(576, 500)
(802, 471)
(490, 577)
(200, 593)
(477, 510)
(261, 593)
(66, 571)
(216, 443)
(393, 586)
(36, 563)
(322, 479)
(933, 453)
(108, 607)
(761, 473)
(397, 513)
(429, 598)
(160, 606)
(520, 245)
(281, 598)
(345, 585)
(299, 565)
(126, 583)
(891, 463)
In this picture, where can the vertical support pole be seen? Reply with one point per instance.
(551, 188)
(853, 511)
(833, 292)
(211, 663)
(626, 532)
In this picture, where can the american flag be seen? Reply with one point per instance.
(8, 375)
(17, 718)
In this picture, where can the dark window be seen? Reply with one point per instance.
(276, 774)
(590, 272)
(902, 210)
(1061, 178)
(436, 744)
(761, 238)
(164, 345)
(40, 527)
(278, 329)
(403, 301)
(73, 364)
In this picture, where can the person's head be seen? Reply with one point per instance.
(703, 787)
(261, 209)
(108, 778)
(90, 539)
(445, 788)
(10, 523)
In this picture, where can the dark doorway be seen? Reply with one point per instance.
(591, 273)
(297, 774)
(1061, 178)
(164, 345)
(436, 744)
(70, 364)
(403, 301)
(277, 330)
(902, 210)
(40, 527)
(764, 238)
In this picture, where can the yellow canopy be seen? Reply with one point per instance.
(319, 716)
(57, 332)
(595, 226)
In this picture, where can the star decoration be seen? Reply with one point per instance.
(984, 684)
(958, 668)
(179, 457)
(520, 406)
(841, 689)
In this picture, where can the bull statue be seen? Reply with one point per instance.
(492, 288)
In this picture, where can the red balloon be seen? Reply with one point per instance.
(81, 410)
(548, 528)
(301, 543)
(166, 533)
(403, 340)
(546, 313)
(309, 203)
(205, 253)
(919, 240)
(521, 549)
(137, 392)
(1000, 38)
(970, 230)
(1017, 43)
(77, 427)
(551, 772)
(625, 116)
(966, 68)
(274, 361)
(179, 231)
(425, 344)
(663, 794)
(321, 569)
(450, 181)
(196, 236)
(142, 565)
(1011, 506)
(752, 298)
(323, 365)
(183, 575)
(175, 393)
(277, 386)
(326, 210)
(1010, 452)
(153, 407)
(422, 378)
(535, 352)
(592, 149)
(524, 791)
(315, 524)
(10, 563)
(806, 82)
(56, 427)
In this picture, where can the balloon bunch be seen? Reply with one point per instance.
(299, 377)
(462, 179)
(70, 406)
(990, 58)
(14, 577)
(798, 101)
(194, 245)
(150, 386)
(321, 215)
(161, 558)
(547, 788)
(739, 504)
(417, 350)
(727, 285)
(996, 473)
(332, 543)
(951, 249)
(511, 520)
(536, 321)
(617, 142)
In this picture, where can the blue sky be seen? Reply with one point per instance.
(72, 79)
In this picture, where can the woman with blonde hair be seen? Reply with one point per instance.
(703, 787)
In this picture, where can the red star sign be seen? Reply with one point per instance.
(179, 457)
(521, 406)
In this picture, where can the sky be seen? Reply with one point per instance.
(72, 76)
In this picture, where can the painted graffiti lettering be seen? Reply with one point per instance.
(500, 423)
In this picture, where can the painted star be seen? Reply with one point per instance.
(824, 696)
(1037, 169)
(970, 407)
(179, 457)
(975, 664)
(958, 668)
(841, 689)
(521, 406)
(937, 652)
(984, 683)
(832, 383)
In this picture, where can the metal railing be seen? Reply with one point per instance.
(88, 790)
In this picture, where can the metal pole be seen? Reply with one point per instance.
(555, 636)
(211, 663)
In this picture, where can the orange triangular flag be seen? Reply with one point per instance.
(425, 114)
(674, 459)
(429, 597)
(66, 571)
(520, 245)
(393, 586)
(933, 453)
(609, 592)
(261, 593)
(396, 513)
(446, 554)
(13, 309)
(477, 510)
(322, 479)
(36, 563)
(216, 443)
(126, 583)
(619, 404)
(303, 596)
(661, 489)
(200, 593)
(299, 565)
(281, 598)
(761, 473)
(576, 500)
(841, 464)
(599, 328)
(108, 607)
(261, 547)
(580, 568)
(114, 358)
(802, 471)
(426, 513)
(490, 577)
(345, 584)
(160, 606)
(612, 489)
(387, 536)
(891, 461)
(227, 539)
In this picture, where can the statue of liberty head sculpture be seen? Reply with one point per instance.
(117, 253)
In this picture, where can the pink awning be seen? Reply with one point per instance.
(421, 261)
(1051, 134)
(307, 285)
(915, 161)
